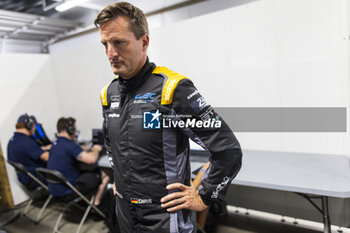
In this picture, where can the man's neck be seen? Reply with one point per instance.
(64, 134)
(24, 131)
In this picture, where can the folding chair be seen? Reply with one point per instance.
(21, 169)
(55, 177)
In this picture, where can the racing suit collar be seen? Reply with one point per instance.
(139, 79)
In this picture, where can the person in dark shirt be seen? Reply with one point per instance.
(23, 149)
(64, 157)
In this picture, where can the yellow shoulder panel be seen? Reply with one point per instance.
(103, 95)
(170, 84)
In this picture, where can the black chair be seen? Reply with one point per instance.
(55, 177)
(33, 193)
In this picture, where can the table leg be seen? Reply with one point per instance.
(323, 210)
(326, 219)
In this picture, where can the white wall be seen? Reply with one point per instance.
(81, 70)
(267, 53)
(26, 86)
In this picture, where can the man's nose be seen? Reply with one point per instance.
(112, 52)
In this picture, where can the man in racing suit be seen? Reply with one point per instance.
(150, 113)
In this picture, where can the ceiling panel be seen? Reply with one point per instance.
(23, 26)
(29, 19)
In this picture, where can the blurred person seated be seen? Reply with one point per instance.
(65, 156)
(22, 148)
(202, 174)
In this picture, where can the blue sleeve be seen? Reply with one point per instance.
(75, 149)
(33, 149)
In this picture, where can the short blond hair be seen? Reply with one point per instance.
(137, 19)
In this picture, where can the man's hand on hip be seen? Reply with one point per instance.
(186, 198)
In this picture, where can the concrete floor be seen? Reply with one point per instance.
(25, 224)
(233, 223)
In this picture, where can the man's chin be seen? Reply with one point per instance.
(121, 73)
(118, 71)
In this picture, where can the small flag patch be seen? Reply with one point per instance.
(135, 201)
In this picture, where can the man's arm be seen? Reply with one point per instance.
(91, 156)
(197, 181)
(45, 156)
(224, 148)
(36, 152)
(47, 147)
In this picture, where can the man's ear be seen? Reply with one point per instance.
(145, 42)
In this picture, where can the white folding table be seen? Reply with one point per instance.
(309, 175)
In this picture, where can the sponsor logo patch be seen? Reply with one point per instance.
(208, 114)
(198, 105)
(139, 201)
(115, 99)
(144, 98)
(136, 116)
(192, 94)
(220, 187)
(113, 115)
(168, 89)
(114, 105)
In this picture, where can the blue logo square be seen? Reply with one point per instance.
(151, 120)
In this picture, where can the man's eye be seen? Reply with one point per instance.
(119, 43)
